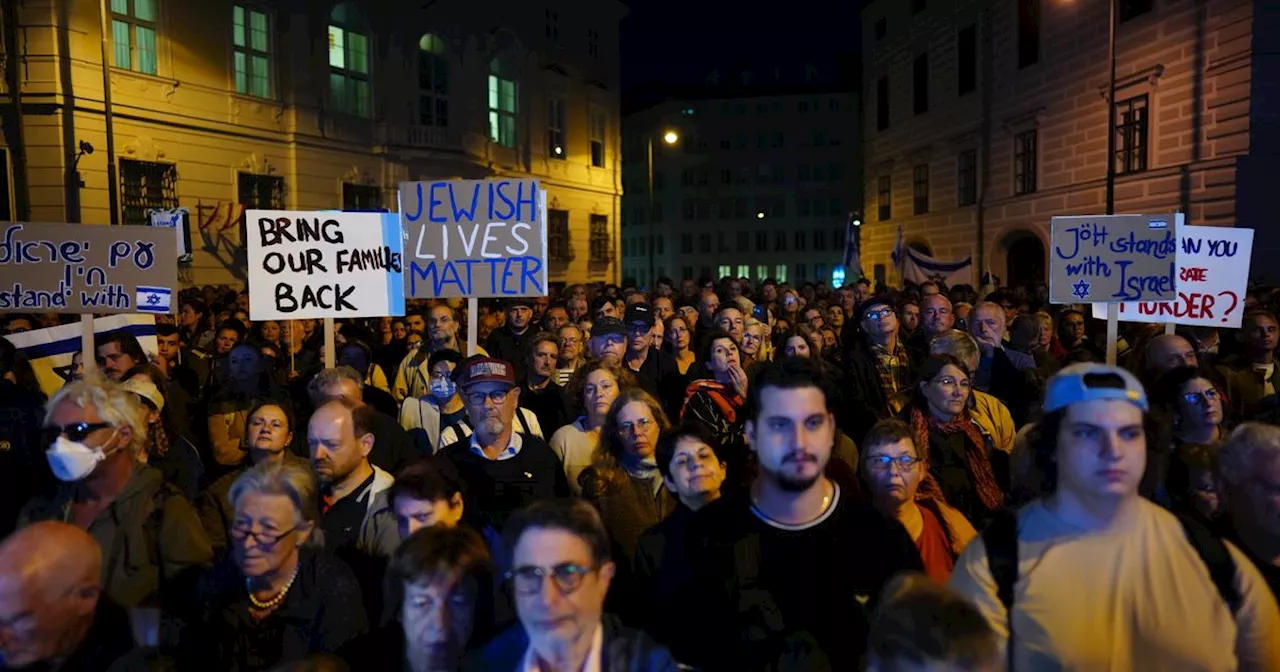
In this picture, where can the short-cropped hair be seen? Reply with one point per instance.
(1247, 448)
(427, 480)
(884, 432)
(575, 516)
(920, 622)
(666, 448)
(315, 388)
(786, 373)
(438, 552)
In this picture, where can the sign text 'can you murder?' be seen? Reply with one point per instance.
(305, 265)
(474, 238)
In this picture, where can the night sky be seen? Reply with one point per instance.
(674, 43)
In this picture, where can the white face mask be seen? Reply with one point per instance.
(72, 461)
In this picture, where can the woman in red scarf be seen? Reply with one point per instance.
(973, 475)
(717, 402)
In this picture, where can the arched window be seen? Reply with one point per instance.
(433, 81)
(349, 61)
(502, 102)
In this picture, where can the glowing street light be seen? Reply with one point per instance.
(671, 137)
(759, 215)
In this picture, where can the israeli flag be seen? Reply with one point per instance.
(152, 299)
(51, 350)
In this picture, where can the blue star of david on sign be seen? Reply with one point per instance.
(1081, 289)
(153, 299)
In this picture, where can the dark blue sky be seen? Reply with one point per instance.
(677, 42)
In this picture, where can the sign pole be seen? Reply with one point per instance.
(1113, 331)
(328, 343)
(89, 358)
(473, 325)
(1170, 328)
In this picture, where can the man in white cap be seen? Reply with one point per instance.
(1094, 576)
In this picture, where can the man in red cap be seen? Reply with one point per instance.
(504, 469)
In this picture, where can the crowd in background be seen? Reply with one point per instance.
(710, 475)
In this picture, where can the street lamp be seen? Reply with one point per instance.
(671, 137)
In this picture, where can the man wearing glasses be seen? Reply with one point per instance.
(504, 468)
(94, 432)
(879, 365)
(561, 571)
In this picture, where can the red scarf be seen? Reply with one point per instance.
(976, 461)
(725, 397)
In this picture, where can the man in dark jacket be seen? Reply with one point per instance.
(563, 627)
(510, 342)
(22, 469)
(879, 366)
(656, 371)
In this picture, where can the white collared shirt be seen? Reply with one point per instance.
(514, 444)
(592, 664)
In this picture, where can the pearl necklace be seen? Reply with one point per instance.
(275, 601)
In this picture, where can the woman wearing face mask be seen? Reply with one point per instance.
(424, 417)
(268, 437)
(592, 390)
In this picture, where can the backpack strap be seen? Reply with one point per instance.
(1001, 540)
(1213, 552)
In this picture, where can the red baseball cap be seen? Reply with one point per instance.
(487, 370)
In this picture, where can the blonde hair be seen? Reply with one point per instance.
(956, 343)
(285, 479)
(118, 407)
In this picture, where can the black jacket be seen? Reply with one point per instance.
(505, 345)
(322, 612)
(624, 650)
(862, 399)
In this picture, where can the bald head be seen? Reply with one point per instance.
(1169, 351)
(50, 580)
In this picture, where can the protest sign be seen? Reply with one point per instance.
(85, 268)
(1213, 275)
(178, 219)
(1113, 258)
(305, 265)
(475, 238)
(50, 350)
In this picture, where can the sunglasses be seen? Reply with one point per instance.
(77, 432)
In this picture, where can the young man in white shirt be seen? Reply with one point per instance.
(1098, 578)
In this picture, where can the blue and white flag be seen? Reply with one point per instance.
(852, 250)
(152, 299)
(917, 267)
(50, 350)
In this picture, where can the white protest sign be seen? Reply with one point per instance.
(1213, 276)
(324, 264)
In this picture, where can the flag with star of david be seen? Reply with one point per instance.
(152, 299)
(50, 350)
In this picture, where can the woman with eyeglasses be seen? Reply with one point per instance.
(277, 597)
(972, 475)
(900, 487)
(1193, 404)
(624, 481)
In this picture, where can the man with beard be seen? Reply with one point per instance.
(504, 469)
(356, 512)
(795, 548)
(440, 332)
(511, 342)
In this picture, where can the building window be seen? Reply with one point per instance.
(433, 81)
(780, 241)
(655, 212)
(967, 52)
(133, 33)
(762, 241)
(762, 272)
(920, 189)
(744, 241)
(722, 271)
(361, 197)
(251, 47)
(819, 272)
(502, 103)
(600, 249)
(144, 186)
(780, 273)
(838, 239)
(722, 242)
(686, 243)
(800, 241)
(920, 84)
(743, 270)
(1131, 8)
(882, 103)
(1028, 32)
(819, 240)
(348, 62)
(599, 129)
(555, 128)
(800, 269)
(553, 26)
(1131, 135)
(967, 178)
(593, 44)
(884, 197)
(882, 28)
(686, 271)
(704, 243)
(558, 236)
(1024, 162)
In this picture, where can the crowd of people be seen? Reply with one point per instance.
(706, 475)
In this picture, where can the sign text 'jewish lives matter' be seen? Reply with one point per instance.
(1213, 276)
(1113, 258)
(87, 268)
(476, 238)
(306, 265)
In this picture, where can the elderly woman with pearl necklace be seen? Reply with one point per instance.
(277, 597)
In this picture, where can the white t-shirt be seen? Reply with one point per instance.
(1134, 597)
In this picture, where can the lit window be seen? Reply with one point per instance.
(348, 62)
(555, 129)
(502, 103)
(251, 47)
(133, 34)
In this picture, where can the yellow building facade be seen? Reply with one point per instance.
(220, 106)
